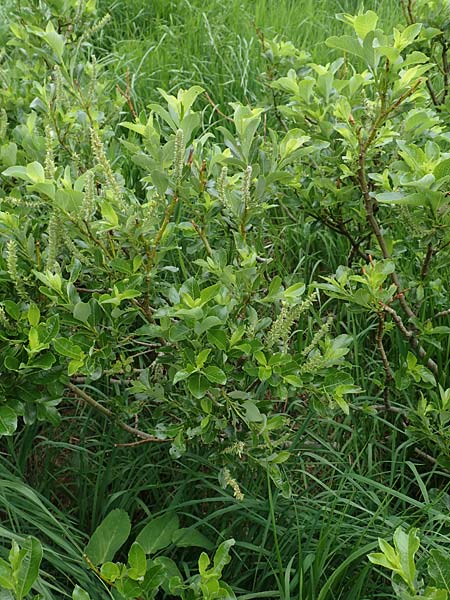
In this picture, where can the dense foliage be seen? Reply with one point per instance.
(224, 330)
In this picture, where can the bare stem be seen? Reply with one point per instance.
(105, 411)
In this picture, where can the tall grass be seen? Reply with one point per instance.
(171, 43)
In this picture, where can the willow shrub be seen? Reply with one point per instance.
(137, 268)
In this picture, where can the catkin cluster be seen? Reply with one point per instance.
(13, 270)
(102, 160)
(280, 331)
(231, 481)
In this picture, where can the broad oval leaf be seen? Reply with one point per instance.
(109, 536)
(157, 534)
(189, 536)
(8, 420)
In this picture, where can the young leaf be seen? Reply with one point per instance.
(29, 567)
(79, 594)
(137, 562)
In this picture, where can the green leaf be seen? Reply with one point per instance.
(158, 533)
(79, 594)
(180, 376)
(442, 169)
(439, 568)
(186, 537)
(222, 556)
(17, 172)
(206, 324)
(82, 311)
(252, 413)
(202, 357)
(109, 536)
(35, 172)
(6, 580)
(34, 315)
(8, 420)
(110, 571)
(198, 385)
(67, 348)
(54, 40)
(217, 338)
(28, 571)
(137, 561)
(365, 23)
(407, 545)
(215, 375)
(346, 43)
(109, 214)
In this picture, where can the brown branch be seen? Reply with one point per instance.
(446, 70)
(426, 456)
(105, 411)
(217, 109)
(426, 263)
(434, 98)
(410, 336)
(442, 313)
(369, 201)
(387, 368)
(407, 11)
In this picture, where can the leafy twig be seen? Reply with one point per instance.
(411, 337)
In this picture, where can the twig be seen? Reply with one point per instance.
(426, 263)
(434, 98)
(217, 109)
(446, 69)
(387, 369)
(442, 313)
(426, 456)
(411, 337)
(105, 411)
(202, 235)
(369, 201)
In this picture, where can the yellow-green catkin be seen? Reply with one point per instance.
(231, 481)
(49, 165)
(13, 270)
(280, 331)
(178, 159)
(20, 202)
(3, 124)
(318, 336)
(221, 187)
(236, 449)
(88, 205)
(313, 364)
(101, 158)
(52, 242)
(4, 322)
(95, 28)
